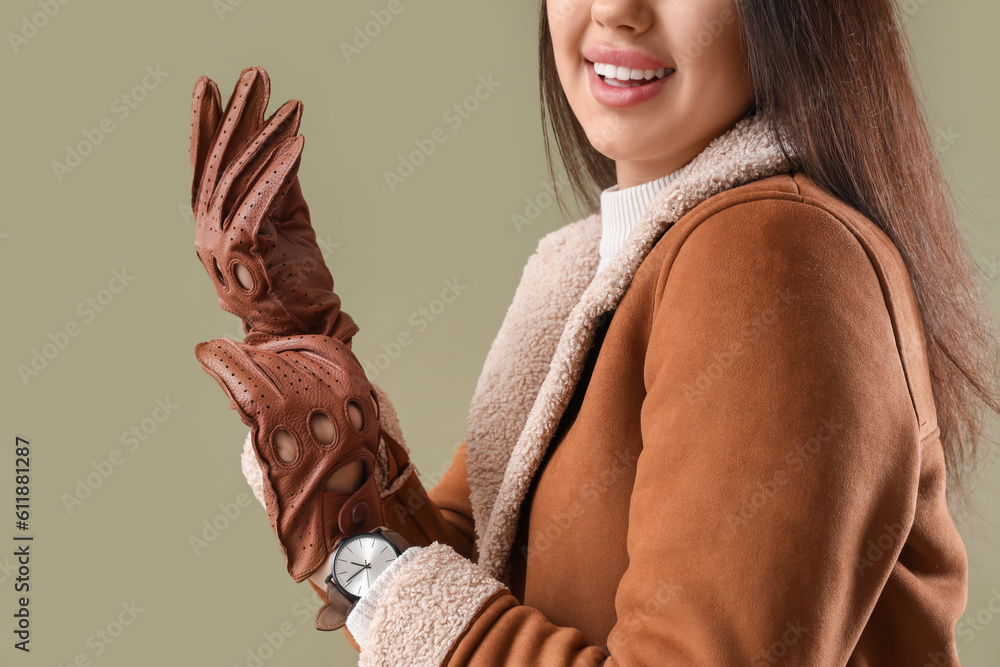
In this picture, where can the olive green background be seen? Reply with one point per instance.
(125, 205)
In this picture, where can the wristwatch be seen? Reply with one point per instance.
(358, 560)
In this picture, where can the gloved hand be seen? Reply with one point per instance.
(253, 233)
(311, 411)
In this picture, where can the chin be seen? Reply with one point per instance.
(623, 145)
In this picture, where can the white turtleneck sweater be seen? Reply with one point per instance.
(621, 210)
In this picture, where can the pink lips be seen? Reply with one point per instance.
(618, 96)
(630, 58)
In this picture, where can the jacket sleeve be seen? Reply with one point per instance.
(779, 444)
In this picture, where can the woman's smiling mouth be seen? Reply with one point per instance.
(624, 77)
(618, 87)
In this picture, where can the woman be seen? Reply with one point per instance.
(725, 412)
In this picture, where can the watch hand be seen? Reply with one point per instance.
(361, 565)
(355, 574)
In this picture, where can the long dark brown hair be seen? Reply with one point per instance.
(836, 74)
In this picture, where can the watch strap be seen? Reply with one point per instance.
(333, 615)
(397, 540)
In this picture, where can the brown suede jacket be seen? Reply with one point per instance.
(721, 450)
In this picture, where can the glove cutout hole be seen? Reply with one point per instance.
(356, 415)
(371, 393)
(348, 478)
(284, 445)
(322, 428)
(243, 276)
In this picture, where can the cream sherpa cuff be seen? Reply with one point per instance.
(423, 606)
(364, 609)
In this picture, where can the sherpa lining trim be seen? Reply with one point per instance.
(424, 607)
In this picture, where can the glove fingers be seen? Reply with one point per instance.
(252, 93)
(206, 110)
(242, 119)
(251, 389)
(243, 246)
(271, 183)
(329, 349)
(328, 368)
(331, 370)
(300, 281)
(281, 126)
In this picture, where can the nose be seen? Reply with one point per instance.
(626, 15)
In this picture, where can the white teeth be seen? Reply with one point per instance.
(617, 73)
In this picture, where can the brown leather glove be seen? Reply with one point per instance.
(253, 233)
(304, 387)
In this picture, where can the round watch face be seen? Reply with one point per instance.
(360, 560)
